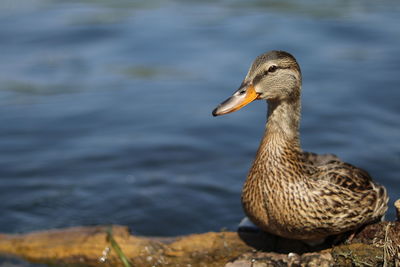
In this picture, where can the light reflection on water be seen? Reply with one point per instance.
(105, 107)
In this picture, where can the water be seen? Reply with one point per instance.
(106, 105)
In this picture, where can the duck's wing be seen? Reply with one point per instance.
(345, 175)
(332, 169)
(356, 185)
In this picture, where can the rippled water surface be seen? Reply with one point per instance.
(105, 106)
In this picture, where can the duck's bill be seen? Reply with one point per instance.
(243, 96)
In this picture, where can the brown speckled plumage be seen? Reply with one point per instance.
(289, 192)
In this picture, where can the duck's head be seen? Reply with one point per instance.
(273, 76)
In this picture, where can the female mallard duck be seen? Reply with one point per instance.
(288, 192)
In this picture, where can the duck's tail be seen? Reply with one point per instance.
(381, 203)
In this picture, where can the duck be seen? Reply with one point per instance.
(289, 192)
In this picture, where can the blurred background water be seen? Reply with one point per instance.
(105, 106)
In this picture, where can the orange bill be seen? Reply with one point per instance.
(243, 96)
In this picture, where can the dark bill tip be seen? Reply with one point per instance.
(215, 112)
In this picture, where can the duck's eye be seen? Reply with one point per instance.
(242, 92)
(273, 68)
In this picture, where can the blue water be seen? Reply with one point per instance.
(105, 106)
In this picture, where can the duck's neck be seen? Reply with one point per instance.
(282, 129)
(277, 157)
